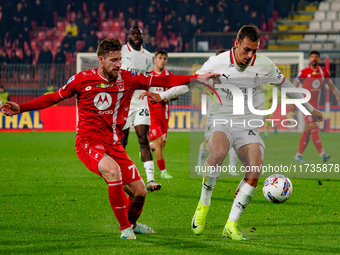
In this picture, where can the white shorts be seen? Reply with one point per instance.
(236, 136)
(139, 113)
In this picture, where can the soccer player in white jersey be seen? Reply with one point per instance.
(138, 60)
(241, 67)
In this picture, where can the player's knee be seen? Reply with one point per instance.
(139, 194)
(112, 173)
(143, 140)
(218, 153)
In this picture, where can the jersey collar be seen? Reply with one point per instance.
(233, 60)
(131, 49)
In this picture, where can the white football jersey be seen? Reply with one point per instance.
(260, 70)
(136, 61)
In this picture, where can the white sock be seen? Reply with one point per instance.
(201, 154)
(243, 195)
(149, 170)
(232, 157)
(163, 171)
(208, 185)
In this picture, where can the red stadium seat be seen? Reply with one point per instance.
(116, 26)
(41, 35)
(122, 36)
(60, 25)
(19, 53)
(105, 25)
(111, 34)
(100, 34)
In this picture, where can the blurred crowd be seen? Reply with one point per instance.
(71, 26)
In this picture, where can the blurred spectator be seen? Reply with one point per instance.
(45, 60)
(4, 96)
(255, 19)
(187, 30)
(91, 49)
(59, 65)
(49, 8)
(210, 19)
(28, 61)
(15, 59)
(79, 20)
(94, 20)
(38, 13)
(152, 46)
(69, 43)
(7, 40)
(151, 21)
(17, 22)
(4, 58)
(28, 57)
(24, 34)
(91, 40)
(183, 8)
(76, 6)
(85, 30)
(71, 27)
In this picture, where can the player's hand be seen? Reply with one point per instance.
(317, 115)
(154, 97)
(204, 78)
(10, 108)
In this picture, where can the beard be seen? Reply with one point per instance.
(136, 45)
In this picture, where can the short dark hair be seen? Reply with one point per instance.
(162, 52)
(249, 31)
(135, 27)
(108, 45)
(314, 52)
(219, 51)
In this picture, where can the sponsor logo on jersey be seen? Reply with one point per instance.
(316, 84)
(106, 112)
(71, 79)
(103, 85)
(102, 101)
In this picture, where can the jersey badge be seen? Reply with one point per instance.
(70, 80)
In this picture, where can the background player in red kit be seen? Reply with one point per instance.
(159, 114)
(104, 96)
(313, 78)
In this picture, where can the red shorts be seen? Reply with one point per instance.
(158, 128)
(90, 151)
(309, 119)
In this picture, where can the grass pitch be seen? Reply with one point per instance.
(51, 204)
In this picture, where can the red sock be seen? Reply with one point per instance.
(161, 164)
(118, 203)
(134, 209)
(316, 139)
(303, 142)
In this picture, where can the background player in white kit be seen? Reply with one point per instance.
(138, 60)
(241, 67)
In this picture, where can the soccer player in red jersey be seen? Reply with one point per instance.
(104, 96)
(313, 78)
(159, 114)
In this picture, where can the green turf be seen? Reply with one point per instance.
(51, 204)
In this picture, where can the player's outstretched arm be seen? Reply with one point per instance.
(39, 103)
(10, 108)
(334, 90)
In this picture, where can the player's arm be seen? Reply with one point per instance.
(316, 114)
(296, 82)
(276, 78)
(12, 108)
(334, 90)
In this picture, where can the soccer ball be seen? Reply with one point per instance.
(277, 188)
